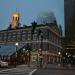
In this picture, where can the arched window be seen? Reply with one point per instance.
(16, 18)
(13, 17)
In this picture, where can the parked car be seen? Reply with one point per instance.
(3, 64)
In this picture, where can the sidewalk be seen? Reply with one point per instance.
(59, 66)
(27, 66)
(49, 66)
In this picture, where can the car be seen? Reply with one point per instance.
(3, 64)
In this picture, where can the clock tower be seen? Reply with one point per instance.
(15, 20)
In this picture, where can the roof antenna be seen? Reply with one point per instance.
(16, 9)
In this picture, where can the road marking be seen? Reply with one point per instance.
(15, 68)
(6, 70)
(32, 72)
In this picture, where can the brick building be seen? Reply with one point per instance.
(49, 43)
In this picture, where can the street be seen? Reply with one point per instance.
(50, 69)
(17, 71)
(55, 70)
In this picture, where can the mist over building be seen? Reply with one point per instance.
(45, 17)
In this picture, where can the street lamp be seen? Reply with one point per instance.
(16, 44)
(66, 53)
(23, 49)
(59, 53)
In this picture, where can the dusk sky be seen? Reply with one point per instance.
(29, 10)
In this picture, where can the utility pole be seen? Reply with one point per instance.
(40, 50)
(16, 53)
(29, 48)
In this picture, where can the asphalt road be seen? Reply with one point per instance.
(51, 69)
(54, 72)
(17, 71)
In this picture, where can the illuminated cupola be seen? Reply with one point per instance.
(15, 19)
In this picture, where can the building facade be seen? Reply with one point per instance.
(49, 40)
(69, 54)
(69, 11)
(69, 47)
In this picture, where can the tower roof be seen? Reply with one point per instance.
(16, 14)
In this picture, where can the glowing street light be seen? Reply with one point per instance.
(66, 53)
(59, 53)
(16, 44)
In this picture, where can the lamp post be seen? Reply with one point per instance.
(41, 57)
(16, 44)
(59, 53)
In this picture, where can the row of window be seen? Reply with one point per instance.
(46, 46)
(54, 38)
(26, 35)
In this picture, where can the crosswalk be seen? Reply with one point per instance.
(17, 71)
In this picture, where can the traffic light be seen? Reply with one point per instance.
(32, 31)
(39, 32)
(33, 26)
